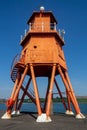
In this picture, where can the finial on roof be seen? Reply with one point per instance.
(42, 9)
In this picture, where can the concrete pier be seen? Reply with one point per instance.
(27, 121)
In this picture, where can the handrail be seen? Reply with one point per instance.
(15, 60)
(42, 26)
(39, 27)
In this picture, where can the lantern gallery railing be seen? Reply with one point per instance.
(42, 27)
(39, 27)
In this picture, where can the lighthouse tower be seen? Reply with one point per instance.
(42, 56)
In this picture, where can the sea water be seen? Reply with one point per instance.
(57, 107)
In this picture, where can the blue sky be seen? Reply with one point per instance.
(71, 16)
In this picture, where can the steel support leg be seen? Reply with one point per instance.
(15, 85)
(20, 83)
(65, 106)
(14, 95)
(69, 101)
(68, 86)
(29, 95)
(45, 103)
(50, 91)
(25, 91)
(74, 102)
(69, 110)
(22, 99)
(35, 90)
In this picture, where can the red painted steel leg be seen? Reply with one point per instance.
(22, 99)
(20, 83)
(29, 95)
(46, 96)
(15, 85)
(75, 103)
(10, 102)
(19, 86)
(68, 86)
(50, 91)
(65, 106)
(35, 90)
(68, 100)
(16, 104)
(14, 95)
(15, 107)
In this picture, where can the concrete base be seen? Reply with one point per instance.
(6, 116)
(69, 112)
(43, 118)
(18, 112)
(15, 112)
(27, 122)
(80, 116)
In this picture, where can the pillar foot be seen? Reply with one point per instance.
(43, 118)
(15, 112)
(18, 112)
(6, 116)
(69, 112)
(80, 116)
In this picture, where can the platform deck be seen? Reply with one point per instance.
(27, 121)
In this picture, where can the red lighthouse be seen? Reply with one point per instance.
(42, 56)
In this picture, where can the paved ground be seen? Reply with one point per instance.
(27, 121)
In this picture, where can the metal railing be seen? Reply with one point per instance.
(15, 60)
(42, 27)
(39, 27)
